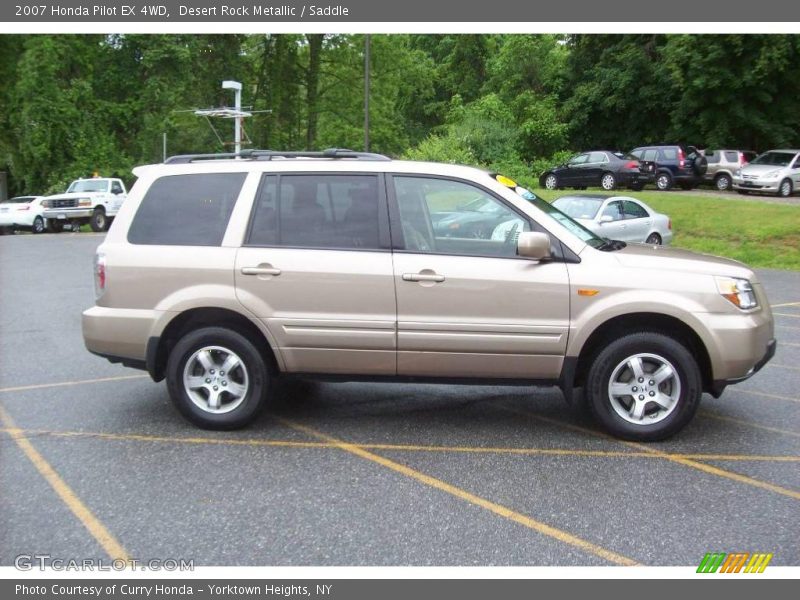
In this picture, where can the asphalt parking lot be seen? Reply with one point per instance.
(95, 462)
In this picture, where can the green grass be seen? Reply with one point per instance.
(760, 234)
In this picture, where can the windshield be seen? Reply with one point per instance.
(775, 159)
(19, 200)
(579, 208)
(89, 185)
(566, 221)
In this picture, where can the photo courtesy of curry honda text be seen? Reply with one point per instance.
(222, 273)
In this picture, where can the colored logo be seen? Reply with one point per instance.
(737, 562)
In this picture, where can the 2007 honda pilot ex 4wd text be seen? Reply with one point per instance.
(221, 273)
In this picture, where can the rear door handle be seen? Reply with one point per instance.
(423, 277)
(265, 270)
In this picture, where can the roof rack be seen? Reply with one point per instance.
(270, 154)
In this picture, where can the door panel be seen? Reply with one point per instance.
(329, 311)
(467, 307)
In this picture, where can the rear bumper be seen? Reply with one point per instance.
(119, 334)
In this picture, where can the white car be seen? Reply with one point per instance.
(617, 218)
(23, 212)
(776, 172)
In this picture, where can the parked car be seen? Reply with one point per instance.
(617, 218)
(477, 219)
(94, 201)
(667, 165)
(602, 168)
(722, 164)
(222, 274)
(23, 212)
(776, 172)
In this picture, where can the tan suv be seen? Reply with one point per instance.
(221, 273)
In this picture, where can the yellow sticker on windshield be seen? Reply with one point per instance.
(506, 181)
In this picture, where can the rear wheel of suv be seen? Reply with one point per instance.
(644, 386)
(785, 190)
(664, 181)
(608, 182)
(723, 182)
(217, 378)
(99, 221)
(551, 181)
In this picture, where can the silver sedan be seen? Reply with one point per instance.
(617, 218)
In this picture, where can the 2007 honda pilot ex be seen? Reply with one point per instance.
(221, 273)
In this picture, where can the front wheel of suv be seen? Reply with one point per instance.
(644, 386)
(217, 378)
(664, 181)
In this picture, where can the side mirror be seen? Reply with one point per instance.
(606, 219)
(534, 245)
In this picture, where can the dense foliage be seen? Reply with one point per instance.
(73, 104)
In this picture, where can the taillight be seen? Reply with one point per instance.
(99, 274)
(633, 164)
(681, 158)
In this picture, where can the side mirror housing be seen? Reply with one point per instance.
(533, 245)
(606, 219)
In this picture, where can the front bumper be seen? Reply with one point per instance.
(756, 185)
(719, 385)
(65, 214)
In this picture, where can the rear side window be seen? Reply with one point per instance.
(186, 210)
(731, 156)
(633, 210)
(317, 211)
(669, 153)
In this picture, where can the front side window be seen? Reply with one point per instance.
(317, 211)
(186, 210)
(613, 210)
(579, 160)
(598, 157)
(451, 217)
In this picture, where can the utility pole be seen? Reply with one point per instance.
(237, 121)
(366, 92)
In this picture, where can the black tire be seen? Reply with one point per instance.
(664, 181)
(75, 226)
(99, 221)
(723, 182)
(551, 181)
(700, 165)
(55, 226)
(254, 368)
(654, 239)
(38, 225)
(785, 189)
(613, 355)
(608, 181)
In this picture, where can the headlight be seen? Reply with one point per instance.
(737, 291)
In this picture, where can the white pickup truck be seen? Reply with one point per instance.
(94, 201)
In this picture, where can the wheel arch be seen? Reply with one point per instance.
(159, 347)
(668, 325)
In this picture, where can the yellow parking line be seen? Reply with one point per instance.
(786, 315)
(674, 458)
(766, 395)
(748, 423)
(462, 494)
(782, 343)
(403, 447)
(40, 386)
(93, 525)
(784, 304)
(787, 327)
(772, 364)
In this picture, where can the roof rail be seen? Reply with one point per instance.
(270, 154)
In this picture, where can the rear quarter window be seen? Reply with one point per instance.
(186, 210)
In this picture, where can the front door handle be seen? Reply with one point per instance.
(423, 276)
(261, 270)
